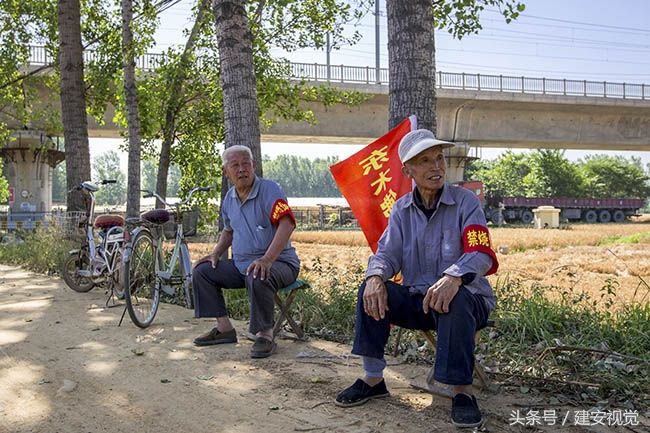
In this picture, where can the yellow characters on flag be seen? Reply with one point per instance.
(380, 180)
(371, 180)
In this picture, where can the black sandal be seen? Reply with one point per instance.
(465, 412)
(360, 392)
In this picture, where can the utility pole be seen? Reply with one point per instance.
(328, 48)
(377, 60)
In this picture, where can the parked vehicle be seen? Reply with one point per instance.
(97, 262)
(520, 209)
(148, 268)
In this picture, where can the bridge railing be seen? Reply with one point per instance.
(39, 56)
(542, 86)
(445, 80)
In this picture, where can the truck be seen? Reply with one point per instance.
(520, 209)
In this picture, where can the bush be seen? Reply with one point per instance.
(42, 251)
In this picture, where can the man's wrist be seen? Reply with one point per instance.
(455, 278)
(374, 276)
(463, 279)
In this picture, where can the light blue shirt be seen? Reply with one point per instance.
(423, 250)
(251, 226)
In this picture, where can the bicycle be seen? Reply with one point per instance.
(146, 272)
(94, 265)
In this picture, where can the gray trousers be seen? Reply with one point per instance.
(208, 283)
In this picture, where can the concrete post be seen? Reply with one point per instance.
(29, 157)
(457, 157)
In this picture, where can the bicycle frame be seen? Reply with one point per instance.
(113, 240)
(143, 295)
(165, 269)
(180, 252)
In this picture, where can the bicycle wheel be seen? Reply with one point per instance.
(73, 263)
(118, 278)
(143, 294)
(186, 273)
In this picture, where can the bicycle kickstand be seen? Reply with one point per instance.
(122, 318)
(111, 297)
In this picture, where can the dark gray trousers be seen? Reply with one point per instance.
(208, 283)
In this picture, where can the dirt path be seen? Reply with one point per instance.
(154, 380)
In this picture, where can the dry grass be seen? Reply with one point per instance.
(516, 239)
(344, 237)
(522, 239)
(585, 257)
(586, 269)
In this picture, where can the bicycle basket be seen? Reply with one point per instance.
(69, 225)
(190, 222)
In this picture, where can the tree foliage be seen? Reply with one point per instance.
(462, 17)
(198, 122)
(59, 190)
(302, 177)
(150, 173)
(4, 186)
(552, 175)
(548, 173)
(502, 177)
(107, 167)
(615, 176)
(23, 23)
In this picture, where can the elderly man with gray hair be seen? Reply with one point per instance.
(258, 223)
(437, 238)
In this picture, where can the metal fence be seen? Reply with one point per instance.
(324, 218)
(445, 80)
(24, 220)
(542, 86)
(39, 56)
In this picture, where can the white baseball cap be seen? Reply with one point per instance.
(417, 141)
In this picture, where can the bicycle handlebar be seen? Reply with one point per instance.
(84, 185)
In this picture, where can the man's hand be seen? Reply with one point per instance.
(260, 267)
(440, 295)
(375, 298)
(213, 258)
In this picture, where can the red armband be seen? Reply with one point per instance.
(280, 209)
(477, 238)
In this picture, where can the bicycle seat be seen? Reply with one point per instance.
(89, 186)
(156, 216)
(108, 221)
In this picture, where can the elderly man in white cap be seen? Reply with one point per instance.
(438, 239)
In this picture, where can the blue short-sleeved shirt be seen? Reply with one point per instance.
(425, 249)
(252, 226)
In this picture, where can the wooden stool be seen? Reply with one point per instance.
(430, 385)
(283, 299)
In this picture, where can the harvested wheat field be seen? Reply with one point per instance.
(581, 257)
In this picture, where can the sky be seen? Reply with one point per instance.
(599, 40)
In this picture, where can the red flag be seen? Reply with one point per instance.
(371, 180)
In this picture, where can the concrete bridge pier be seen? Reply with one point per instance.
(457, 158)
(29, 157)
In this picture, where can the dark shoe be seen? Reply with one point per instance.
(465, 411)
(263, 348)
(216, 337)
(360, 392)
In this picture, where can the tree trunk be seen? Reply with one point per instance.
(130, 91)
(173, 105)
(73, 101)
(411, 62)
(241, 109)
